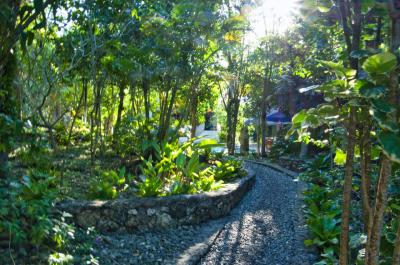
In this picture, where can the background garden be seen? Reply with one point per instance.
(105, 100)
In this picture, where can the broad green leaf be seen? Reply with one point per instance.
(299, 117)
(323, 9)
(382, 106)
(180, 160)
(359, 83)
(372, 92)
(367, 5)
(340, 157)
(326, 110)
(334, 87)
(311, 120)
(339, 69)
(359, 54)
(375, 152)
(390, 144)
(380, 63)
(384, 121)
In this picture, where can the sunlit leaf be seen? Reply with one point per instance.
(391, 145)
(380, 63)
(340, 157)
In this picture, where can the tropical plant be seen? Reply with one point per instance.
(109, 184)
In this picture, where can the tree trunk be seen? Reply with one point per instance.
(8, 104)
(264, 107)
(231, 112)
(120, 110)
(165, 123)
(264, 132)
(365, 152)
(374, 240)
(347, 188)
(193, 114)
(146, 91)
(351, 24)
(85, 97)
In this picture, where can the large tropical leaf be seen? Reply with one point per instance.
(380, 63)
(372, 92)
(391, 145)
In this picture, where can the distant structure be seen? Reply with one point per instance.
(288, 98)
(210, 128)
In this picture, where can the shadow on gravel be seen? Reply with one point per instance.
(173, 246)
(266, 227)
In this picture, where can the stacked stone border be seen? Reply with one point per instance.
(145, 214)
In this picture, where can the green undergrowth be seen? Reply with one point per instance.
(322, 208)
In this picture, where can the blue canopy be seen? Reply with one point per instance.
(273, 118)
(278, 117)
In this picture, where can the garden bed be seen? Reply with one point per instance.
(144, 214)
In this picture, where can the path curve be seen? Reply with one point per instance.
(266, 227)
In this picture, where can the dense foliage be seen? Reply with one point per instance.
(103, 100)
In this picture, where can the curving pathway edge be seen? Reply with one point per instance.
(266, 227)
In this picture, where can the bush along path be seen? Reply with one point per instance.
(266, 227)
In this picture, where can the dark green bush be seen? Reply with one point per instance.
(108, 185)
(25, 207)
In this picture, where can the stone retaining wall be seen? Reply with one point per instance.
(145, 214)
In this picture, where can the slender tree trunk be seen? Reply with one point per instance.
(380, 205)
(264, 132)
(374, 240)
(165, 124)
(347, 188)
(146, 91)
(8, 105)
(120, 110)
(365, 151)
(85, 97)
(78, 108)
(132, 91)
(193, 115)
(258, 128)
(264, 108)
(351, 23)
(232, 113)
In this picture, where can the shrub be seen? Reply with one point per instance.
(178, 169)
(151, 184)
(25, 207)
(108, 186)
(228, 169)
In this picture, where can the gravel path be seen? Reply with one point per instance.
(265, 228)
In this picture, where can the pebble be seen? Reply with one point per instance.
(264, 228)
(267, 226)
